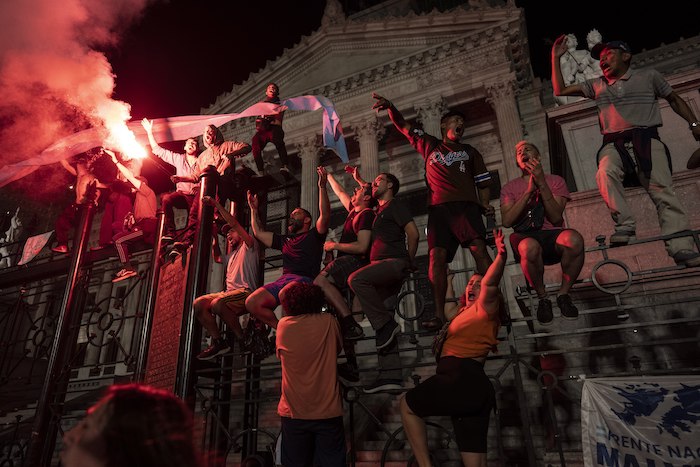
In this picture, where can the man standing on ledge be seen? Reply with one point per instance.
(632, 153)
(453, 172)
(268, 129)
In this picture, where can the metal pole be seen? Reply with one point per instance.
(225, 377)
(196, 286)
(144, 342)
(43, 438)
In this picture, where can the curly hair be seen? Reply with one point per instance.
(300, 298)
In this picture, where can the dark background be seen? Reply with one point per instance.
(182, 54)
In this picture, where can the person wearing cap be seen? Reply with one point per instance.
(242, 276)
(632, 153)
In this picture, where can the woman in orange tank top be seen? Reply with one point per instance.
(460, 388)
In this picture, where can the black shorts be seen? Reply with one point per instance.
(339, 269)
(461, 390)
(453, 224)
(547, 240)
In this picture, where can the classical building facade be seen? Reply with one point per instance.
(474, 58)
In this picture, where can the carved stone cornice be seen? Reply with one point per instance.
(668, 59)
(333, 14)
(431, 109)
(481, 49)
(499, 90)
(369, 128)
(308, 147)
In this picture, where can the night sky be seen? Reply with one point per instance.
(183, 54)
(69, 65)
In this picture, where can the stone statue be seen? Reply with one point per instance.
(593, 70)
(577, 65)
(8, 241)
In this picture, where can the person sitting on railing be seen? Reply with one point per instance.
(185, 191)
(632, 153)
(460, 388)
(353, 249)
(301, 249)
(222, 155)
(533, 204)
(133, 425)
(140, 224)
(391, 258)
(242, 273)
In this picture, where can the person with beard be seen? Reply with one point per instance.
(463, 390)
(453, 173)
(533, 204)
(632, 153)
(268, 129)
(221, 155)
(394, 244)
(242, 273)
(353, 248)
(185, 190)
(302, 251)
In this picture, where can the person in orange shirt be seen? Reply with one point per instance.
(465, 392)
(308, 344)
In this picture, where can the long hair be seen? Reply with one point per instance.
(147, 427)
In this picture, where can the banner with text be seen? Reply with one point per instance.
(641, 421)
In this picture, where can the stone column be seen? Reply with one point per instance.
(309, 152)
(429, 113)
(501, 96)
(368, 133)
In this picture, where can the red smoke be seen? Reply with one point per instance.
(54, 80)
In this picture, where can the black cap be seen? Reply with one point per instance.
(598, 48)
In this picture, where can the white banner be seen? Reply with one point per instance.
(641, 421)
(180, 128)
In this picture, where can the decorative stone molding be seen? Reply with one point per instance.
(308, 147)
(501, 96)
(370, 128)
(431, 108)
(496, 91)
(480, 49)
(309, 151)
(333, 14)
(429, 113)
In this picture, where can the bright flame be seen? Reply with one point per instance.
(115, 114)
(123, 139)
